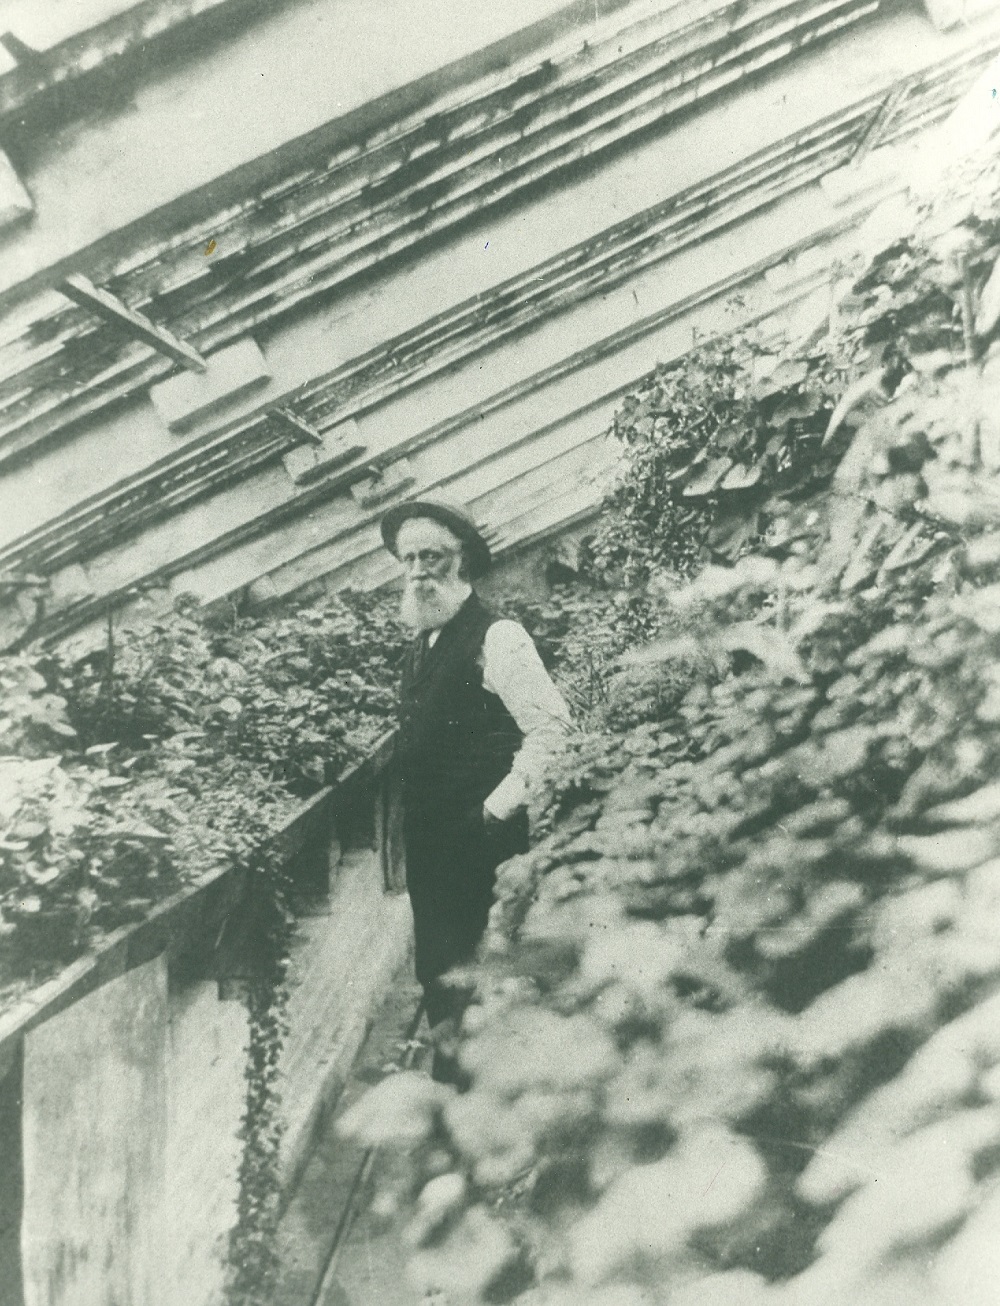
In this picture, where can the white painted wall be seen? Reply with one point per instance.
(95, 1124)
(133, 1098)
(288, 73)
(205, 1099)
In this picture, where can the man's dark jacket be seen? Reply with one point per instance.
(456, 743)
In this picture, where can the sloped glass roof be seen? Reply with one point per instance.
(44, 23)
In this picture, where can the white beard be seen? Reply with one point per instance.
(431, 604)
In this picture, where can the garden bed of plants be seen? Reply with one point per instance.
(735, 1039)
(176, 749)
(175, 753)
(737, 1032)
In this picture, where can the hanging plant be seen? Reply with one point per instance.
(253, 1240)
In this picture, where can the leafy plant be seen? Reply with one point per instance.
(180, 747)
(581, 631)
(736, 1009)
(299, 695)
(34, 720)
(706, 444)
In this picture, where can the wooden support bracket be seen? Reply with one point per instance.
(381, 486)
(308, 433)
(22, 53)
(82, 291)
(15, 202)
(879, 122)
(328, 451)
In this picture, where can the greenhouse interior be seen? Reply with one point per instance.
(666, 333)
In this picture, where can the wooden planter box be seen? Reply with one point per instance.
(121, 1078)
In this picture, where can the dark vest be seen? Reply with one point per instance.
(456, 741)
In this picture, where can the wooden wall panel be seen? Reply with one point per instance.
(11, 1179)
(95, 1096)
(206, 1093)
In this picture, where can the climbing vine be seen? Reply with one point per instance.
(707, 444)
(253, 1255)
(180, 746)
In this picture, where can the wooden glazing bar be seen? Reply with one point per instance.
(83, 291)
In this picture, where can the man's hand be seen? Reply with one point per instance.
(491, 823)
(480, 821)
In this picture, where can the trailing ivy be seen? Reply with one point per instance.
(177, 748)
(253, 1255)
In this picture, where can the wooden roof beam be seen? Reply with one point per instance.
(22, 53)
(82, 291)
(302, 428)
(97, 47)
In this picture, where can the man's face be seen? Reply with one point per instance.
(432, 557)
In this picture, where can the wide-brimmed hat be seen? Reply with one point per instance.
(452, 515)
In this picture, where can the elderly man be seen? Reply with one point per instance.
(478, 714)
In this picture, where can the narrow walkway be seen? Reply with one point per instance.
(332, 1208)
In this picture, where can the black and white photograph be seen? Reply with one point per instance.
(500, 653)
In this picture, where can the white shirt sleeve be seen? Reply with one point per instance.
(514, 672)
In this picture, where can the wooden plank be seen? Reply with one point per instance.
(23, 54)
(561, 371)
(199, 905)
(15, 202)
(94, 1128)
(298, 425)
(247, 312)
(338, 446)
(82, 291)
(396, 215)
(129, 945)
(431, 360)
(12, 1182)
(190, 397)
(307, 252)
(877, 129)
(140, 501)
(93, 49)
(384, 484)
(588, 268)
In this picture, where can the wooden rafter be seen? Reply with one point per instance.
(275, 271)
(23, 54)
(81, 290)
(880, 121)
(106, 43)
(302, 428)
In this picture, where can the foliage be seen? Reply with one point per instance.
(735, 1038)
(717, 445)
(90, 840)
(172, 751)
(176, 750)
(300, 696)
(707, 443)
(34, 721)
(740, 1000)
(253, 1255)
(581, 631)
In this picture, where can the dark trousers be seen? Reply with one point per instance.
(451, 861)
(445, 1005)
